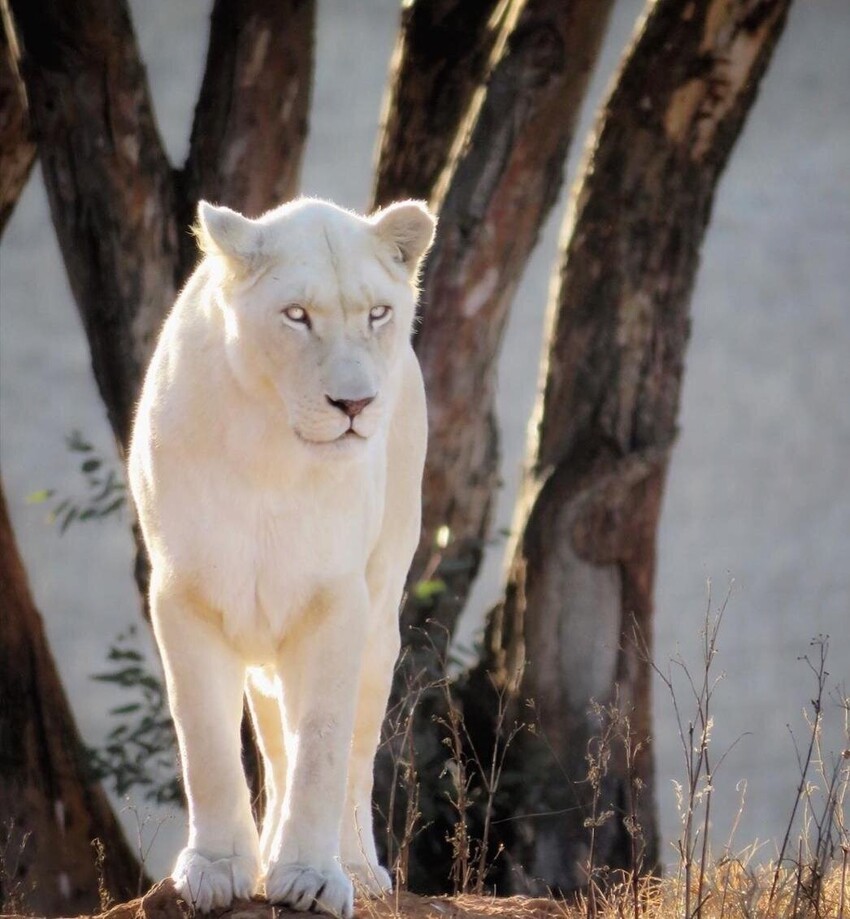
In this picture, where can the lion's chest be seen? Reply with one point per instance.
(264, 554)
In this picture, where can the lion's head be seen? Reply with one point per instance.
(318, 304)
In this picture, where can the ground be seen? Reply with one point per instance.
(162, 902)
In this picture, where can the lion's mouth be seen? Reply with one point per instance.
(350, 436)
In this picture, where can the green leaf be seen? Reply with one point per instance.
(68, 519)
(111, 508)
(124, 654)
(125, 709)
(423, 591)
(77, 443)
(54, 514)
(109, 486)
(39, 497)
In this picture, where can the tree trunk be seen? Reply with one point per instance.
(17, 148)
(121, 213)
(441, 56)
(496, 194)
(504, 178)
(581, 581)
(50, 811)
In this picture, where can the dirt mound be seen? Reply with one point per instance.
(162, 902)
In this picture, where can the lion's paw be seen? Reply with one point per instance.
(304, 888)
(208, 883)
(369, 880)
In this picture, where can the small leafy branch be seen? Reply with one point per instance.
(141, 750)
(106, 491)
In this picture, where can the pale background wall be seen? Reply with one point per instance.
(760, 483)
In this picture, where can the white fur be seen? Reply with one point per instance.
(279, 543)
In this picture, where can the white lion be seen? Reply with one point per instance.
(276, 466)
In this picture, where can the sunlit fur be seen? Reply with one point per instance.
(280, 532)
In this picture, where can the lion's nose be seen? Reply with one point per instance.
(351, 407)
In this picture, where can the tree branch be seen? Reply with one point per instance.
(504, 178)
(17, 148)
(503, 181)
(441, 56)
(252, 114)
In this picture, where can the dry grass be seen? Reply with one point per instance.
(810, 878)
(731, 890)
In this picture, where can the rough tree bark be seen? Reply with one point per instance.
(582, 575)
(441, 56)
(252, 115)
(121, 213)
(501, 181)
(108, 181)
(50, 811)
(495, 194)
(17, 147)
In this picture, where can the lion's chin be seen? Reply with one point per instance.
(349, 441)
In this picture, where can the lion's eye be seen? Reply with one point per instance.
(379, 314)
(296, 314)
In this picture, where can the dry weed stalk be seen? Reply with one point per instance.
(476, 785)
(695, 796)
(615, 731)
(456, 767)
(795, 886)
(598, 757)
(822, 791)
(400, 741)
(104, 897)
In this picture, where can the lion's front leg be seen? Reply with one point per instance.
(320, 670)
(359, 854)
(205, 679)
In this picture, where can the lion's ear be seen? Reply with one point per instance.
(407, 227)
(223, 232)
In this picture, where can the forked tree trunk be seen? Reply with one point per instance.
(121, 212)
(581, 581)
(108, 182)
(50, 810)
(441, 56)
(616, 348)
(252, 116)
